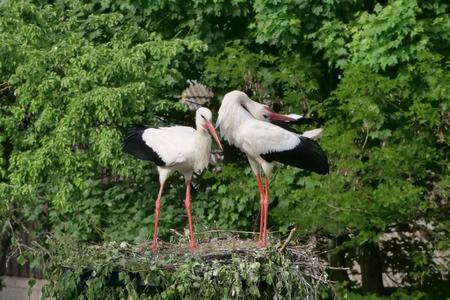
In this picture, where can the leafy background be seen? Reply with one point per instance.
(75, 74)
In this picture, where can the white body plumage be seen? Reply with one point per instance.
(176, 148)
(182, 148)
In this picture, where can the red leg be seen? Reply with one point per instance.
(261, 207)
(266, 211)
(157, 207)
(188, 208)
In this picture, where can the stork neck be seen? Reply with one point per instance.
(233, 112)
(199, 121)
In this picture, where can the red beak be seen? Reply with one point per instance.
(209, 126)
(278, 117)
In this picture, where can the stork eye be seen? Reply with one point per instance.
(203, 117)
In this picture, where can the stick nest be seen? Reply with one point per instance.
(223, 264)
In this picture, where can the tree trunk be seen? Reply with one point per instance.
(371, 268)
(5, 243)
(336, 258)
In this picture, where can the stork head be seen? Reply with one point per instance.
(237, 108)
(263, 112)
(273, 116)
(203, 120)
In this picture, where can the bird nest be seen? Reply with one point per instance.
(224, 265)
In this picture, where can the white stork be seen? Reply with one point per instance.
(176, 148)
(264, 143)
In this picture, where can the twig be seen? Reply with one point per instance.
(41, 247)
(289, 238)
(175, 232)
(224, 230)
(366, 127)
(337, 268)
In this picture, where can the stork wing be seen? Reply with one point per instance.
(307, 155)
(133, 144)
(273, 143)
(297, 120)
(164, 146)
(170, 143)
(258, 137)
(313, 134)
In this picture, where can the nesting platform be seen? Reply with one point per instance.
(222, 267)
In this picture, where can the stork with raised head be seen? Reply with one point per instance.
(177, 148)
(265, 143)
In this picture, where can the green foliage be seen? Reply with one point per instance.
(124, 270)
(240, 68)
(75, 90)
(75, 74)
(286, 23)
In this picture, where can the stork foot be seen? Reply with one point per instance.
(262, 244)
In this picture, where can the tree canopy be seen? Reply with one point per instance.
(75, 74)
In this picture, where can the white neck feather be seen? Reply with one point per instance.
(232, 114)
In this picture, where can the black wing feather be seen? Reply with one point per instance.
(288, 125)
(307, 155)
(133, 144)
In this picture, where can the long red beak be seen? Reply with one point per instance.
(212, 131)
(278, 117)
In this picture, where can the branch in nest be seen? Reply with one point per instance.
(225, 231)
(289, 238)
(175, 232)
